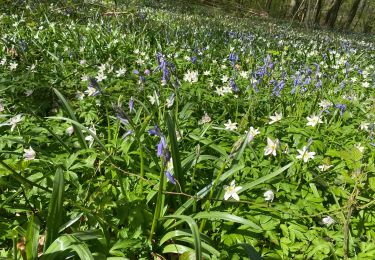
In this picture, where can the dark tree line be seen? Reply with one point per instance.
(348, 15)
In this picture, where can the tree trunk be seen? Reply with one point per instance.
(318, 11)
(352, 13)
(308, 14)
(293, 8)
(332, 13)
(364, 3)
(268, 5)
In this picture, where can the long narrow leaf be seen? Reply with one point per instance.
(55, 208)
(227, 217)
(67, 243)
(195, 232)
(174, 149)
(32, 238)
(81, 127)
(71, 114)
(265, 178)
(203, 192)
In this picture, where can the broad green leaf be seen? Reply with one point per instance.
(203, 192)
(55, 209)
(174, 150)
(264, 178)
(227, 217)
(32, 238)
(72, 116)
(195, 232)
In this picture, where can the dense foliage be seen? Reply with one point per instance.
(137, 133)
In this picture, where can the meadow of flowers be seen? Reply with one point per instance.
(135, 132)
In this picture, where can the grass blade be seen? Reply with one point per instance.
(195, 232)
(69, 110)
(67, 243)
(174, 149)
(203, 192)
(227, 217)
(55, 208)
(265, 178)
(81, 127)
(32, 238)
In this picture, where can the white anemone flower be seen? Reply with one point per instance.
(191, 76)
(271, 146)
(69, 130)
(269, 195)
(29, 154)
(360, 147)
(364, 126)
(205, 119)
(90, 138)
(305, 155)
(91, 91)
(328, 220)
(230, 126)
(275, 118)
(324, 167)
(313, 120)
(13, 121)
(231, 191)
(252, 133)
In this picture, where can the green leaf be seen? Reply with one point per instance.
(203, 192)
(227, 217)
(81, 127)
(194, 230)
(32, 238)
(264, 178)
(174, 149)
(250, 250)
(67, 243)
(70, 222)
(371, 182)
(55, 209)
(71, 114)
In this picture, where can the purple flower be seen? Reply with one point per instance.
(154, 131)
(131, 104)
(170, 177)
(342, 108)
(233, 85)
(127, 134)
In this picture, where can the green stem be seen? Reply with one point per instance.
(159, 203)
(207, 205)
(15, 248)
(142, 171)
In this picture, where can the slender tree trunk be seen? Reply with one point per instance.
(294, 5)
(308, 14)
(268, 5)
(332, 13)
(352, 14)
(364, 3)
(318, 11)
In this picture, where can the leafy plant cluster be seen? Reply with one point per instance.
(129, 132)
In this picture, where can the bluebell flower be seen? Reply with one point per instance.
(23, 45)
(129, 132)
(94, 84)
(233, 85)
(193, 59)
(170, 177)
(131, 104)
(154, 131)
(342, 108)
